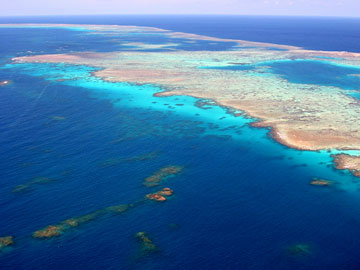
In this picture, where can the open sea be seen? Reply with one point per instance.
(242, 201)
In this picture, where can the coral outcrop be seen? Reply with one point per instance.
(147, 245)
(160, 175)
(6, 241)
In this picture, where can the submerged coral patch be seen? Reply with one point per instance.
(321, 182)
(147, 245)
(118, 209)
(49, 231)
(58, 229)
(299, 250)
(162, 174)
(6, 241)
(58, 118)
(35, 181)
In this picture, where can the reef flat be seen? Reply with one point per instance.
(348, 162)
(306, 115)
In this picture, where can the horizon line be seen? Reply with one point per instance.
(178, 14)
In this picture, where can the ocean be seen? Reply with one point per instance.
(317, 33)
(75, 148)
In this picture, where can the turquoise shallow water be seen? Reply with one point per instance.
(240, 202)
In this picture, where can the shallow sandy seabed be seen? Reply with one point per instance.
(302, 116)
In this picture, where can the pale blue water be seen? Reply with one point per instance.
(240, 202)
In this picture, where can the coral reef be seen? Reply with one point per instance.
(118, 209)
(299, 250)
(156, 197)
(6, 241)
(55, 230)
(58, 118)
(35, 181)
(347, 162)
(292, 110)
(4, 83)
(49, 231)
(161, 195)
(321, 182)
(165, 192)
(160, 175)
(147, 245)
(58, 229)
(76, 221)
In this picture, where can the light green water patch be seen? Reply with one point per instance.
(216, 120)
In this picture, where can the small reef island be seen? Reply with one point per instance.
(305, 114)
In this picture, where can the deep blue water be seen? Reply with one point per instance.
(317, 72)
(241, 201)
(318, 33)
(46, 40)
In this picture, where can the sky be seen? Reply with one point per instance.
(344, 8)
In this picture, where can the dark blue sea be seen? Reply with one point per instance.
(243, 201)
(317, 33)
